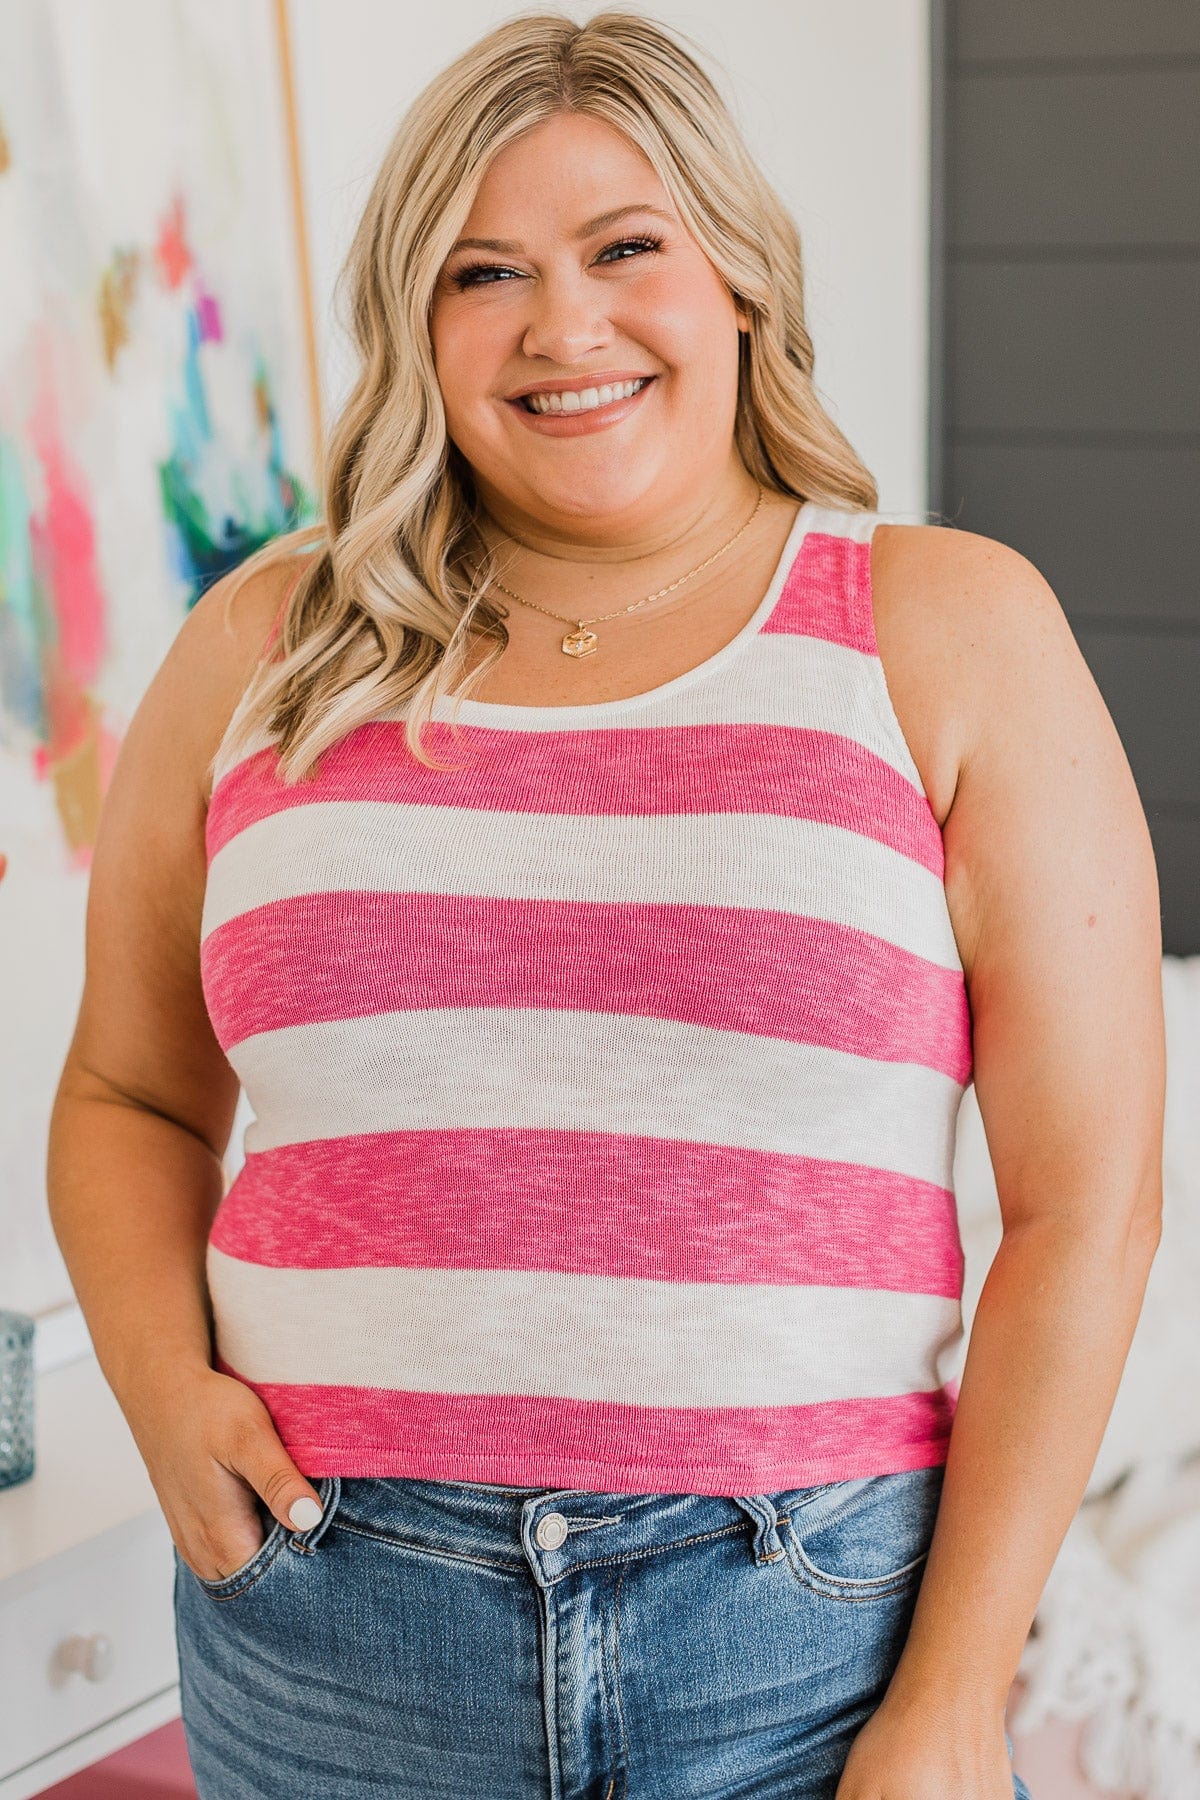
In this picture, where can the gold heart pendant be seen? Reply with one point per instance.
(580, 643)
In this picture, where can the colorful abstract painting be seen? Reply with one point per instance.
(158, 416)
(154, 415)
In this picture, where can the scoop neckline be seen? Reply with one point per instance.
(510, 712)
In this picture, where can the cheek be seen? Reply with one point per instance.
(689, 329)
(468, 356)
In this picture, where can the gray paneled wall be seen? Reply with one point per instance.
(1066, 395)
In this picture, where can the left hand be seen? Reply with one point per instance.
(923, 1753)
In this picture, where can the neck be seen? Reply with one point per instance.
(536, 558)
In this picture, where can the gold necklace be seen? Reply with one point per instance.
(582, 641)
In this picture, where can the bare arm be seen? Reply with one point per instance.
(146, 1099)
(1053, 893)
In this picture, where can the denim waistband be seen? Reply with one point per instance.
(551, 1531)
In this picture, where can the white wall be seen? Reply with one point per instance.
(834, 101)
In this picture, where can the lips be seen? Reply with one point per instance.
(581, 422)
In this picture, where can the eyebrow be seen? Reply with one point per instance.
(585, 231)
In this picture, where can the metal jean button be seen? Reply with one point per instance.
(551, 1531)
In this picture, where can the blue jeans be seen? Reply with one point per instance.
(440, 1640)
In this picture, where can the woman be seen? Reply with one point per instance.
(604, 850)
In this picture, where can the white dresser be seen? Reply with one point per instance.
(87, 1635)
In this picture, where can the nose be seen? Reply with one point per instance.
(565, 323)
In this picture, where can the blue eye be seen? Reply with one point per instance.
(469, 276)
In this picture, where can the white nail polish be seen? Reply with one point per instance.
(304, 1513)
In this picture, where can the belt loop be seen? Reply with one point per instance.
(761, 1508)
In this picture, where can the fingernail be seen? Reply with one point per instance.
(304, 1513)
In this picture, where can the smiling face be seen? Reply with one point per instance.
(574, 301)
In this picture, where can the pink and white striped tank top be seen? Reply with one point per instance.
(605, 1088)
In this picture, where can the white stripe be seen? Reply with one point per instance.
(517, 1068)
(780, 678)
(583, 1337)
(751, 860)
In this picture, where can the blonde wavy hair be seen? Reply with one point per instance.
(381, 616)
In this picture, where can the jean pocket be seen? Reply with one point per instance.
(862, 1539)
(252, 1571)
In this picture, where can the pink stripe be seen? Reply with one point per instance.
(536, 1440)
(590, 1203)
(782, 770)
(285, 964)
(828, 594)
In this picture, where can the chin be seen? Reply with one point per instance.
(611, 483)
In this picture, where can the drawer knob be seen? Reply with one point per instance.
(91, 1656)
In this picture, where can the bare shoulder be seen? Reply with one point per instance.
(217, 649)
(159, 782)
(1048, 852)
(958, 617)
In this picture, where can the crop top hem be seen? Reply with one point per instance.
(574, 1473)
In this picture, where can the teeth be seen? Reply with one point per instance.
(587, 400)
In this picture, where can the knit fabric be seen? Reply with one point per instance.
(605, 1086)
